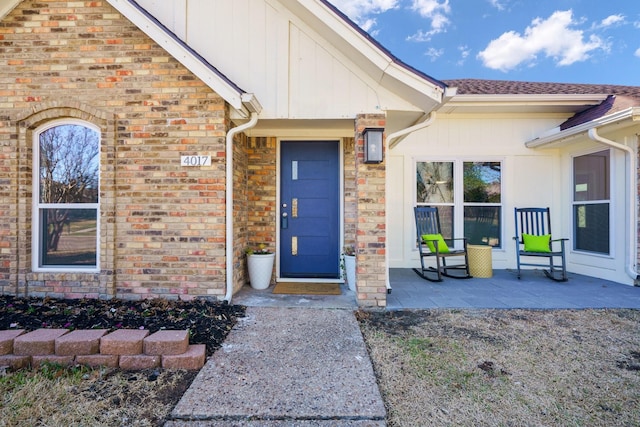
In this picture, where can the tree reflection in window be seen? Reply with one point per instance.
(68, 195)
(434, 182)
(482, 199)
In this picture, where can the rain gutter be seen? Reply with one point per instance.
(631, 176)
(553, 136)
(393, 140)
(556, 136)
(250, 102)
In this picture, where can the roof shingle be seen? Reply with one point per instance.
(619, 97)
(507, 87)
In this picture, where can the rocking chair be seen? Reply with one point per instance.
(432, 244)
(533, 239)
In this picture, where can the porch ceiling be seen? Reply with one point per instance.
(328, 128)
(331, 128)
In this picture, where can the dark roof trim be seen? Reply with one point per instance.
(377, 44)
(186, 47)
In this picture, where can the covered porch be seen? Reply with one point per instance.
(502, 291)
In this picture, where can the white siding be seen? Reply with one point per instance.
(612, 266)
(530, 177)
(266, 50)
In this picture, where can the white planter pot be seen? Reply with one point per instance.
(260, 270)
(350, 270)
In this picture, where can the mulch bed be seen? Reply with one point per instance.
(209, 322)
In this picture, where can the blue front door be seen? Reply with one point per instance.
(310, 209)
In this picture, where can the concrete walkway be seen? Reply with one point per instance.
(286, 367)
(299, 360)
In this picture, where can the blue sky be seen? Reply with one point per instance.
(571, 41)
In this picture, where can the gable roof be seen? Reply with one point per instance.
(394, 59)
(405, 82)
(613, 98)
(182, 52)
(209, 74)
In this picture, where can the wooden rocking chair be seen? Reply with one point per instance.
(533, 239)
(432, 244)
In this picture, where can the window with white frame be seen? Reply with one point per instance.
(591, 202)
(66, 196)
(468, 195)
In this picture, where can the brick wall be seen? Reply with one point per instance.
(261, 192)
(350, 192)
(162, 225)
(371, 240)
(240, 209)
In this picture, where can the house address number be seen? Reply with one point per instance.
(195, 160)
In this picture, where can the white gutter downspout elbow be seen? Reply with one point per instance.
(631, 171)
(229, 202)
(392, 141)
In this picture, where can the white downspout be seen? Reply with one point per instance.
(391, 142)
(402, 132)
(631, 171)
(229, 202)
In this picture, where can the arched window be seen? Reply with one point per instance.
(66, 196)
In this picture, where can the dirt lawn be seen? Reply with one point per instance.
(434, 367)
(507, 367)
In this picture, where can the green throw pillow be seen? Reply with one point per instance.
(534, 243)
(429, 240)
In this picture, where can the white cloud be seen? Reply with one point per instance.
(434, 53)
(420, 36)
(498, 4)
(434, 11)
(637, 52)
(553, 37)
(362, 11)
(611, 20)
(359, 11)
(367, 24)
(464, 54)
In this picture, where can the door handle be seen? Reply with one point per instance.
(284, 221)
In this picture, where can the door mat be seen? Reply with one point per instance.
(303, 288)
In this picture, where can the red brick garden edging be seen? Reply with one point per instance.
(130, 349)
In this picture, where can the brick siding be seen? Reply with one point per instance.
(371, 240)
(162, 225)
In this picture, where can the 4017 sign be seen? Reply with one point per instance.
(191, 161)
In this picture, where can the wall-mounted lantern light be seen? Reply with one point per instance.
(372, 145)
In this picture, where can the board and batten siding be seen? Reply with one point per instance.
(294, 72)
(530, 177)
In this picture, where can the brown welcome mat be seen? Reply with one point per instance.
(303, 288)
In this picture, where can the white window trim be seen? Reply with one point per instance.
(458, 191)
(36, 205)
(612, 161)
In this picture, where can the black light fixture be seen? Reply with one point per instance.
(373, 145)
